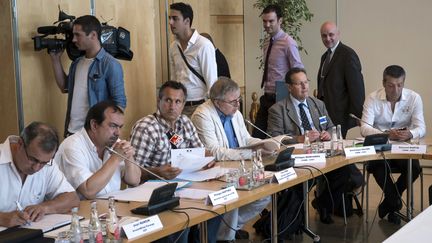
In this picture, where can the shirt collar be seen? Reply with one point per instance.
(334, 47)
(278, 35)
(180, 120)
(5, 151)
(382, 94)
(100, 54)
(89, 143)
(224, 118)
(296, 102)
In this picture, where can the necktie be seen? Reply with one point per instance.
(264, 78)
(324, 70)
(304, 120)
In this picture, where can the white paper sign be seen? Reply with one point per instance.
(223, 196)
(142, 227)
(408, 149)
(304, 159)
(285, 175)
(359, 151)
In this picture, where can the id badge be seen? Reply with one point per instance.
(176, 140)
(323, 120)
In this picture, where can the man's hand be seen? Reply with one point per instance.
(400, 134)
(13, 218)
(313, 135)
(56, 55)
(168, 172)
(325, 136)
(124, 147)
(36, 212)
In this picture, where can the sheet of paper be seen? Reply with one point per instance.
(270, 144)
(140, 193)
(204, 175)
(50, 221)
(190, 193)
(189, 160)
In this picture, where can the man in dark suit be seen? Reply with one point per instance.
(299, 113)
(340, 81)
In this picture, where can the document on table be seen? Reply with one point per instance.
(204, 175)
(191, 193)
(189, 160)
(140, 193)
(50, 222)
(269, 144)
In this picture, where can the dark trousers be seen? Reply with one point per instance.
(381, 173)
(266, 101)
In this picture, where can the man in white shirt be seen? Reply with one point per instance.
(221, 128)
(86, 163)
(399, 112)
(199, 53)
(30, 180)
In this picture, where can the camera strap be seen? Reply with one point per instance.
(190, 67)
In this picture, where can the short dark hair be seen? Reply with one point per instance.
(173, 85)
(185, 10)
(47, 135)
(221, 87)
(89, 23)
(273, 8)
(97, 112)
(293, 71)
(394, 71)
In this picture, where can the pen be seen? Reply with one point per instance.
(21, 210)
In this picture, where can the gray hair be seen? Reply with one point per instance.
(48, 138)
(221, 87)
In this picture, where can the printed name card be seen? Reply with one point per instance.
(142, 227)
(284, 175)
(359, 151)
(222, 196)
(304, 159)
(408, 149)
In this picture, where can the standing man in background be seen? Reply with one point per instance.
(191, 57)
(94, 77)
(340, 81)
(281, 54)
(222, 63)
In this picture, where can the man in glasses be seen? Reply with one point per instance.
(86, 162)
(31, 186)
(221, 128)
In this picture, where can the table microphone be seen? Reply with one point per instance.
(360, 120)
(112, 151)
(268, 135)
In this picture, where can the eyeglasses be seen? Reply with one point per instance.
(302, 83)
(36, 161)
(234, 103)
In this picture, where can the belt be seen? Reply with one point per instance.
(194, 102)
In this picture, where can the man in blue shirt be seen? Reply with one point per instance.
(96, 76)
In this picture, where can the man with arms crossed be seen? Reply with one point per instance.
(199, 53)
(85, 161)
(92, 78)
(399, 112)
(280, 54)
(30, 179)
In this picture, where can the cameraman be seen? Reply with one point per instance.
(96, 76)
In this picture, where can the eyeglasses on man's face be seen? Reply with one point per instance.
(235, 102)
(36, 161)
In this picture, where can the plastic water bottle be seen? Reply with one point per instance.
(112, 227)
(75, 228)
(306, 144)
(95, 226)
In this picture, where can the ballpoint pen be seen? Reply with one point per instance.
(21, 210)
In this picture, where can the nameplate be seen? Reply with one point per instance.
(304, 159)
(408, 149)
(359, 151)
(142, 227)
(285, 175)
(223, 196)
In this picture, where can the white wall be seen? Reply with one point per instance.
(382, 32)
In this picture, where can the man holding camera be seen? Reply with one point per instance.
(96, 76)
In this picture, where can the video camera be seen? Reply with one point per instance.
(116, 41)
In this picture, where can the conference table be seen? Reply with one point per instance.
(174, 221)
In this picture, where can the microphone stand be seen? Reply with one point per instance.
(360, 120)
(268, 135)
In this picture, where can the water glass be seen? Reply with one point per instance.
(62, 237)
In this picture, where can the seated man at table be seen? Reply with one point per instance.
(399, 112)
(299, 113)
(30, 180)
(86, 162)
(154, 136)
(221, 128)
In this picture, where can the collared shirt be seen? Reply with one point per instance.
(296, 103)
(150, 140)
(104, 82)
(284, 55)
(43, 185)
(78, 158)
(408, 112)
(229, 130)
(200, 54)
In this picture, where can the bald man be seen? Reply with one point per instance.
(340, 81)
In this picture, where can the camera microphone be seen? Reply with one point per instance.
(360, 120)
(112, 151)
(47, 30)
(268, 135)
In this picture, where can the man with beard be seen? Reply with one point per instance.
(87, 165)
